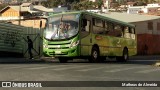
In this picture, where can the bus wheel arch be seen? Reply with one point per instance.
(95, 54)
(125, 55)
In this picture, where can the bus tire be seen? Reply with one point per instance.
(63, 60)
(94, 55)
(125, 56)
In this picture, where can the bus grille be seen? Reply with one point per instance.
(64, 43)
(63, 53)
(59, 48)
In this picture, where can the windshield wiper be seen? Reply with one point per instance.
(60, 26)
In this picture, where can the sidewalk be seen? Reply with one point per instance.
(18, 60)
(145, 57)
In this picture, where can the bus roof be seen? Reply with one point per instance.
(99, 15)
(104, 16)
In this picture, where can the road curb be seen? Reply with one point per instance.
(154, 57)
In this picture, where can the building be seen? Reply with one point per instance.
(147, 29)
(93, 0)
(134, 9)
(106, 3)
(149, 9)
(26, 12)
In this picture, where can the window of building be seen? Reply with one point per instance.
(158, 26)
(150, 25)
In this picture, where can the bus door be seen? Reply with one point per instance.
(85, 37)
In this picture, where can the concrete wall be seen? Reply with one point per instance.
(31, 23)
(149, 39)
(142, 27)
(36, 36)
(13, 40)
(148, 44)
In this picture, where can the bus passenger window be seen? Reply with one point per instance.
(126, 32)
(106, 28)
(98, 26)
(110, 29)
(132, 31)
(118, 31)
(110, 26)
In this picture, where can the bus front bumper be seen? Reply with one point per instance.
(70, 52)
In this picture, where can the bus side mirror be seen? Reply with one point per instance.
(84, 22)
(40, 25)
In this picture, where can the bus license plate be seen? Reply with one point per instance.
(57, 52)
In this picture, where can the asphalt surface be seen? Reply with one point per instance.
(138, 68)
(26, 60)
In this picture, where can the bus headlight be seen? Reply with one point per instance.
(73, 44)
(45, 46)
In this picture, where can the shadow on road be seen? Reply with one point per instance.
(79, 61)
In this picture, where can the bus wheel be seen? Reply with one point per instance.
(62, 60)
(94, 55)
(125, 56)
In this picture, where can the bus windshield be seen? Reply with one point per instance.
(62, 26)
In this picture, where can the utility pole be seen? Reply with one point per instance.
(20, 14)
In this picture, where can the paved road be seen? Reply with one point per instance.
(80, 70)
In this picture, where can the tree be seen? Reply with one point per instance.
(71, 1)
(75, 6)
(145, 1)
(53, 3)
(99, 3)
(2, 6)
(83, 5)
(151, 1)
(140, 3)
(115, 5)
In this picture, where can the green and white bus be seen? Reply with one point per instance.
(81, 34)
